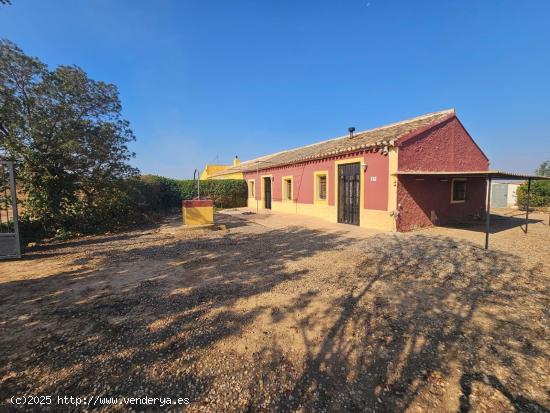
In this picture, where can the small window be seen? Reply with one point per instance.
(322, 187)
(458, 190)
(251, 189)
(287, 189)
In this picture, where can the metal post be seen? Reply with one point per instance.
(488, 213)
(197, 177)
(3, 181)
(11, 168)
(258, 187)
(528, 204)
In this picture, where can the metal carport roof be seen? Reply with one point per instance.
(489, 175)
(475, 174)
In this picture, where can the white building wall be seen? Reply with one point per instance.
(512, 197)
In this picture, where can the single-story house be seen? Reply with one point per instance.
(371, 179)
(410, 174)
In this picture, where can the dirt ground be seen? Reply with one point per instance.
(262, 317)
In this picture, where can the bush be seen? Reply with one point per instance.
(226, 193)
(30, 230)
(130, 202)
(540, 194)
(160, 194)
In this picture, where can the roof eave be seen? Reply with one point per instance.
(331, 154)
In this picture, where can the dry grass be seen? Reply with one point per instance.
(288, 319)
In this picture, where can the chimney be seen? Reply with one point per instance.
(351, 130)
(236, 161)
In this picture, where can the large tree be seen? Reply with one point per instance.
(66, 133)
(543, 169)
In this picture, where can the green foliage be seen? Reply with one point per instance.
(68, 137)
(226, 193)
(164, 194)
(543, 169)
(540, 190)
(30, 230)
(540, 195)
(158, 194)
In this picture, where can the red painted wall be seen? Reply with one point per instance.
(197, 203)
(376, 192)
(446, 147)
(417, 199)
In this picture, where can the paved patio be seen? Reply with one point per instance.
(279, 220)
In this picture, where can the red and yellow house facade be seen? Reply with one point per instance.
(368, 178)
(306, 179)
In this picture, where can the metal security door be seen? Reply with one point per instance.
(267, 193)
(499, 194)
(349, 190)
(9, 227)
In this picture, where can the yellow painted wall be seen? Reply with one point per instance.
(210, 169)
(198, 216)
(369, 218)
(234, 175)
(376, 219)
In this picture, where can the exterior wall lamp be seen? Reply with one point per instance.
(364, 166)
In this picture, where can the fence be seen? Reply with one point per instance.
(9, 228)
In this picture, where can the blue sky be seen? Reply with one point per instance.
(202, 81)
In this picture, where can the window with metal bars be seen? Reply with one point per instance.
(458, 190)
(322, 187)
(288, 189)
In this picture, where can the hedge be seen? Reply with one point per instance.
(133, 201)
(165, 193)
(540, 195)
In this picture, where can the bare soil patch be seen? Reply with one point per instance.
(291, 319)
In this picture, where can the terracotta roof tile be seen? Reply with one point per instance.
(381, 136)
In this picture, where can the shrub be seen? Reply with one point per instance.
(158, 194)
(226, 193)
(162, 194)
(131, 201)
(30, 230)
(540, 194)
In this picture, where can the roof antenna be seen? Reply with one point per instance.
(351, 130)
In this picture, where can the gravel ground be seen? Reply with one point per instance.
(251, 318)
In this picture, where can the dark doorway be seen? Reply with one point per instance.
(267, 192)
(349, 190)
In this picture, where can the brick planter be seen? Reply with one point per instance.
(198, 212)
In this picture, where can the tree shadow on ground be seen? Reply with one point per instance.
(498, 223)
(81, 333)
(417, 310)
(519, 403)
(414, 320)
